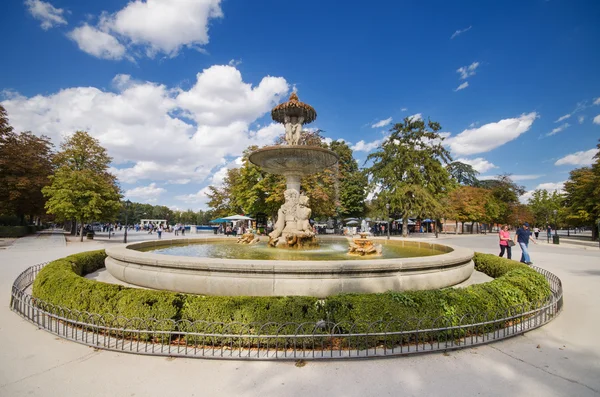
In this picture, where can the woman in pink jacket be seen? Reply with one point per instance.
(504, 236)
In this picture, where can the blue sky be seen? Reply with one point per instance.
(175, 90)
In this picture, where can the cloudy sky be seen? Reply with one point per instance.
(176, 90)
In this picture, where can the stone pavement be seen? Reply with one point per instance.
(560, 359)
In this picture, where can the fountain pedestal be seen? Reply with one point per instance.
(293, 229)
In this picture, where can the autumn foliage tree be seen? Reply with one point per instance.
(82, 188)
(25, 164)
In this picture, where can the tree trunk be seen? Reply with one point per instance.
(456, 227)
(405, 226)
(472, 227)
(81, 233)
(73, 227)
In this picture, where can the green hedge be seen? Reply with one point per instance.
(13, 231)
(61, 283)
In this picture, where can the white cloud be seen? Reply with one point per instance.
(459, 32)
(561, 118)
(220, 97)
(97, 43)
(490, 136)
(147, 194)
(152, 26)
(382, 123)
(467, 71)
(403, 109)
(462, 86)
(362, 146)
(235, 62)
(551, 187)
(581, 119)
(526, 177)
(597, 119)
(479, 164)
(141, 124)
(558, 129)
(597, 101)
(415, 117)
(201, 197)
(46, 13)
(578, 158)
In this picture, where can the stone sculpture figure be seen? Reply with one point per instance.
(286, 216)
(303, 214)
(293, 129)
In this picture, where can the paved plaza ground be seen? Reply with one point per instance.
(560, 359)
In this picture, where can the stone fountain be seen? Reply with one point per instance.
(292, 229)
(365, 271)
(364, 246)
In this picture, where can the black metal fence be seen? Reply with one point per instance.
(288, 341)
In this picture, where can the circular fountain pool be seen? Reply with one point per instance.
(329, 249)
(311, 274)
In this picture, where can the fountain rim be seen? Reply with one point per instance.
(128, 253)
(282, 149)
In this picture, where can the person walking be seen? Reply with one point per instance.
(505, 242)
(159, 231)
(536, 231)
(522, 238)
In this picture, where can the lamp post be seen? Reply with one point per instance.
(387, 206)
(555, 223)
(127, 204)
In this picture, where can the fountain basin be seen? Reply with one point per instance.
(254, 277)
(293, 159)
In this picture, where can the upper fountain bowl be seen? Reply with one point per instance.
(293, 159)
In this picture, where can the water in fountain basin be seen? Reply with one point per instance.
(329, 249)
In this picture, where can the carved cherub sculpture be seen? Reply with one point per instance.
(293, 129)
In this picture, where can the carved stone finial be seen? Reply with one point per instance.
(294, 97)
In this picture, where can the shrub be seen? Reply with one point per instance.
(13, 231)
(515, 285)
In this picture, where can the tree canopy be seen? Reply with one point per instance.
(463, 174)
(82, 188)
(408, 170)
(25, 164)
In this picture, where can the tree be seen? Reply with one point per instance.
(542, 205)
(82, 188)
(471, 204)
(25, 165)
(5, 127)
(582, 195)
(408, 170)
(352, 182)
(463, 174)
(506, 193)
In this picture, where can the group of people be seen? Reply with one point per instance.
(522, 238)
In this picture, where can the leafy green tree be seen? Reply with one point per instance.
(82, 188)
(582, 195)
(5, 127)
(408, 170)
(506, 194)
(352, 182)
(463, 174)
(542, 205)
